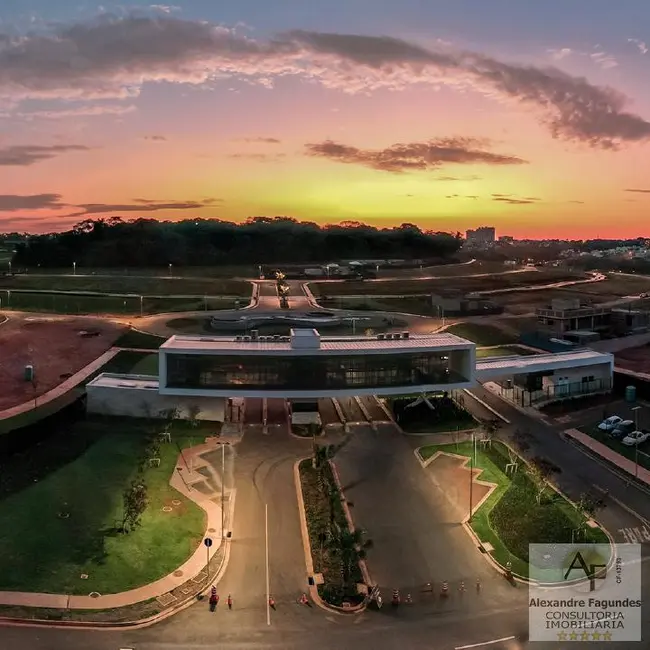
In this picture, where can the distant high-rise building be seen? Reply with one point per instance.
(483, 236)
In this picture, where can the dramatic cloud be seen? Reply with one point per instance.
(85, 61)
(259, 140)
(141, 205)
(513, 200)
(414, 156)
(25, 155)
(17, 202)
(604, 60)
(79, 111)
(155, 138)
(640, 45)
(639, 191)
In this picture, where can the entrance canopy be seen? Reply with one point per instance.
(493, 367)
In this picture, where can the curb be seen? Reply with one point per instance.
(309, 561)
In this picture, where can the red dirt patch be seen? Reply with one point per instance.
(55, 346)
(452, 474)
(634, 359)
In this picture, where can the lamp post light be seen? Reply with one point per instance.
(74, 268)
(170, 270)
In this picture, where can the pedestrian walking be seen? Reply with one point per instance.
(214, 599)
(229, 601)
(272, 603)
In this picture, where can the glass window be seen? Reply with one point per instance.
(333, 372)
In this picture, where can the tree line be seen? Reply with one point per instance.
(104, 243)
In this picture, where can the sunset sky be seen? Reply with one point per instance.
(533, 117)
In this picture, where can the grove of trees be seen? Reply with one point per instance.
(102, 243)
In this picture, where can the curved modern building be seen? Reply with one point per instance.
(201, 372)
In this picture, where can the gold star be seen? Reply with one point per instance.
(573, 636)
(596, 636)
(607, 636)
(584, 636)
(561, 636)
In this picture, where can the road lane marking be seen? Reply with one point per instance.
(268, 587)
(479, 645)
(635, 535)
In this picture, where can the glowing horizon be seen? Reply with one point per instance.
(447, 120)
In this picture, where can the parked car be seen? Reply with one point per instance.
(610, 423)
(635, 438)
(623, 429)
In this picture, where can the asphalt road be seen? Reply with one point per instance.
(374, 410)
(328, 414)
(351, 410)
(253, 411)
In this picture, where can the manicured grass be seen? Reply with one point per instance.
(131, 363)
(510, 518)
(40, 551)
(139, 340)
(71, 303)
(324, 513)
(139, 286)
(482, 334)
(617, 446)
(403, 287)
(503, 351)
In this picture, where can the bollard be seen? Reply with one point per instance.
(508, 570)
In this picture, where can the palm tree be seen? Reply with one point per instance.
(350, 547)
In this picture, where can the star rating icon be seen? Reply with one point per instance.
(573, 636)
(607, 636)
(584, 636)
(596, 636)
(561, 636)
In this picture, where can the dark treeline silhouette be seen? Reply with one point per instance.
(207, 242)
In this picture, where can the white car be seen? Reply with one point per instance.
(610, 423)
(635, 438)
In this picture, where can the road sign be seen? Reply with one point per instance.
(208, 541)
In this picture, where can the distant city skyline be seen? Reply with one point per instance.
(532, 118)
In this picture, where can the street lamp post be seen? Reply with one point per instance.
(170, 270)
(74, 268)
(223, 491)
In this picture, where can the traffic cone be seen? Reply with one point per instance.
(271, 602)
(409, 600)
(303, 599)
(395, 601)
(444, 590)
(461, 587)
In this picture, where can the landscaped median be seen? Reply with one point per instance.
(521, 507)
(337, 550)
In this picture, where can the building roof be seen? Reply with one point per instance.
(333, 344)
(513, 365)
(110, 380)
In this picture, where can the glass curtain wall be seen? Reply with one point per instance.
(333, 372)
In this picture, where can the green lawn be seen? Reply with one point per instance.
(139, 340)
(130, 363)
(616, 445)
(503, 351)
(147, 286)
(70, 303)
(510, 518)
(483, 335)
(40, 551)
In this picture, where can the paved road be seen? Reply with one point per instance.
(253, 413)
(268, 297)
(351, 410)
(327, 410)
(375, 411)
(415, 528)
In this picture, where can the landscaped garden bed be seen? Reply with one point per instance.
(335, 550)
(64, 498)
(523, 509)
(435, 414)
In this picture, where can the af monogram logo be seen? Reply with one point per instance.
(590, 570)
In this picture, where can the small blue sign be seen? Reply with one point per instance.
(208, 541)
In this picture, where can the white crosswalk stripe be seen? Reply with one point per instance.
(635, 535)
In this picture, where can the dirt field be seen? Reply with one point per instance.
(55, 346)
(442, 286)
(634, 359)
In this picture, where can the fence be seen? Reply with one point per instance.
(555, 392)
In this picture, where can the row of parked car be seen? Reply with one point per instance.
(624, 430)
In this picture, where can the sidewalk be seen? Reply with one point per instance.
(192, 567)
(62, 388)
(627, 465)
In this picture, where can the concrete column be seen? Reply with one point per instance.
(162, 369)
